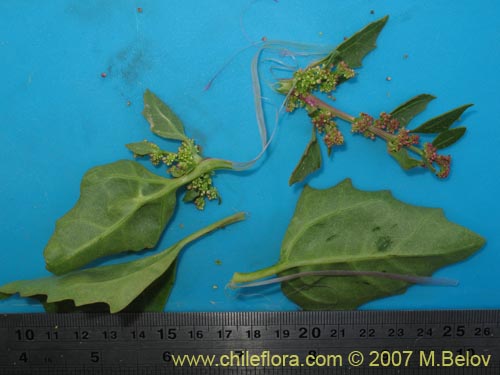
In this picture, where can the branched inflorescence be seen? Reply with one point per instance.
(317, 78)
(323, 76)
(397, 138)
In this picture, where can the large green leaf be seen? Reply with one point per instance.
(118, 285)
(442, 122)
(346, 229)
(354, 49)
(122, 206)
(163, 121)
(408, 110)
(309, 162)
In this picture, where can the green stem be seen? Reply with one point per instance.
(212, 227)
(205, 166)
(239, 277)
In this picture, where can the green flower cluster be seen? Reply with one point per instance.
(180, 164)
(200, 190)
(185, 160)
(317, 78)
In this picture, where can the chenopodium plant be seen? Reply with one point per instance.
(124, 207)
(403, 144)
(345, 247)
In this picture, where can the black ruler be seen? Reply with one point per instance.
(354, 342)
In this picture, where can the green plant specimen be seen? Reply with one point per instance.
(123, 206)
(140, 285)
(345, 247)
(323, 76)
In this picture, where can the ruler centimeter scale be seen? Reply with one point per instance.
(330, 342)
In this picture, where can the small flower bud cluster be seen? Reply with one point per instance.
(362, 125)
(333, 137)
(185, 160)
(443, 161)
(201, 189)
(403, 139)
(387, 122)
(344, 71)
(156, 156)
(320, 77)
(322, 119)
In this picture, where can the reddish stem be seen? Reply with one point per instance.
(312, 100)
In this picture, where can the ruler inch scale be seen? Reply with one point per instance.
(321, 342)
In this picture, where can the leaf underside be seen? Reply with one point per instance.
(408, 110)
(348, 229)
(116, 286)
(162, 120)
(152, 299)
(309, 162)
(342, 228)
(122, 206)
(139, 285)
(442, 122)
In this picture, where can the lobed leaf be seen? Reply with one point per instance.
(152, 299)
(343, 228)
(309, 162)
(442, 122)
(448, 137)
(119, 285)
(354, 49)
(122, 206)
(162, 120)
(408, 110)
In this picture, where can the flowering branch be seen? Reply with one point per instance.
(326, 74)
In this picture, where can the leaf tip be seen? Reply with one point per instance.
(347, 182)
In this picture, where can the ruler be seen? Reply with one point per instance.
(346, 342)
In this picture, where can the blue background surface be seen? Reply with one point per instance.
(58, 118)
